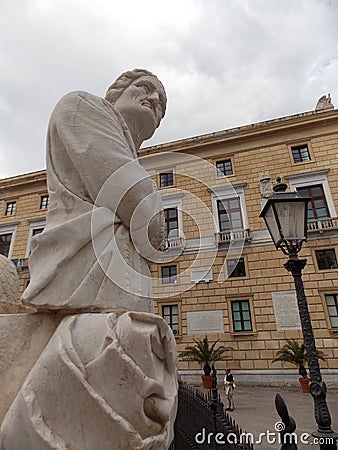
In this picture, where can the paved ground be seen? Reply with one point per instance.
(255, 412)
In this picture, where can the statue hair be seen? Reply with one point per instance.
(124, 80)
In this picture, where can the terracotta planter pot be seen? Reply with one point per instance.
(304, 382)
(207, 381)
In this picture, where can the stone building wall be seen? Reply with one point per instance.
(252, 149)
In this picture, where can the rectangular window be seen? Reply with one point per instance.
(241, 316)
(300, 153)
(332, 308)
(317, 206)
(229, 214)
(236, 268)
(36, 231)
(10, 208)
(326, 259)
(170, 315)
(169, 274)
(5, 243)
(166, 179)
(224, 167)
(171, 222)
(44, 200)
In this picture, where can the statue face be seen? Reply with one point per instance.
(143, 103)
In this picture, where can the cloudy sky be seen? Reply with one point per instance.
(224, 63)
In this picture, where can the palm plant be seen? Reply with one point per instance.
(205, 353)
(295, 354)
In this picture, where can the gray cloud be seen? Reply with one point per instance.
(223, 64)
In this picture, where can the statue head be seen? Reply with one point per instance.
(140, 98)
(126, 79)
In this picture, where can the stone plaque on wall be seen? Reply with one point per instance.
(201, 275)
(203, 322)
(286, 310)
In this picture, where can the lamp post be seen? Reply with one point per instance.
(285, 215)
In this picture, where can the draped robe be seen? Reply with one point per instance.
(85, 259)
(103, 382)
(107, 377)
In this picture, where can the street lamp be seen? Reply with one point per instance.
(285, 215)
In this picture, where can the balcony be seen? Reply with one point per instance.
(225, 237)
(323, 225)
(174, 243)
(22, 265)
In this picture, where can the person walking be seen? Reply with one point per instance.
(229, 386)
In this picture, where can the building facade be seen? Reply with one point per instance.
(23, 207)
(220, 274)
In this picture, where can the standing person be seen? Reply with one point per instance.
(229, 386)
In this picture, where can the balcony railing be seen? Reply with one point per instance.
(324, 224)
(174, 243)
(224, 237)
(22, 265)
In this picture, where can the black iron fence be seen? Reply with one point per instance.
(203, 424)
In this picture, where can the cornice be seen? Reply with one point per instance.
(175, 196)
(26, 178)
(233, 187)
(4, 225)
(37, 219)
(255, 130)
(309, 174)
(304, 119)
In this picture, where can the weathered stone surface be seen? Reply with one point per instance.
(9, 281)
(102, 217)
(14, 308)
(107, 377)
(324, 103)
(265, 185)
(103, 382)
(22, 339)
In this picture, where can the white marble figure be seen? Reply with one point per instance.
(90, 139)
(107, 377)
(265, 185)
(324, 103)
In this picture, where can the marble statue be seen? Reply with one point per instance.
(324, 103)
(265, 185)
(107, 378)
(89, 140)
